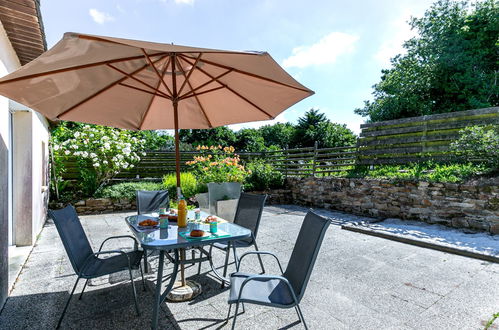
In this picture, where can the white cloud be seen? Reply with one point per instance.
(100, 17)
(181, 2)
(393, 44)
(256, 124)
(325, 51)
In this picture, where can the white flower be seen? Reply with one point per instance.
(107, 145)
(92, 155)
(91, 135)
(74, 146)
(143, 153)
(125, 165)
(77, 134)
(105, 162)
(56, 147)
(66, 152)
(105, 138)
(84, 154)
(131, 166)
(96, 164)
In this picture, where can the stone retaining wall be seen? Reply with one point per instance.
(100, 205)
(474, 204)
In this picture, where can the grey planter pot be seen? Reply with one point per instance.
(226, 209)
(222, 191)
(203, 201)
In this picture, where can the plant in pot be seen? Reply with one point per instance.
(220, 169)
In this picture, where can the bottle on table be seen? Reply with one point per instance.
(182, 213)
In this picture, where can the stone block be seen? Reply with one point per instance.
(80, 203)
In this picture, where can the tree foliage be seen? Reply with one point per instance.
(315, 127)
(209, 137)
(450, 66)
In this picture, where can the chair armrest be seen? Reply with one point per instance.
(260, 253)
(267, 277)
(135, 242)
(96, 254)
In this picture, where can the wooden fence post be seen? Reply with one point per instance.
(314, 160)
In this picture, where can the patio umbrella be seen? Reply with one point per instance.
(143, 85)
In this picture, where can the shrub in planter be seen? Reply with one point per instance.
(263, 176)
(127, 189)
(188, 183)
(218, 165)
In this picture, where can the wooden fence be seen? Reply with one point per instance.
(418, 138)
(293, 162)
(389, 142)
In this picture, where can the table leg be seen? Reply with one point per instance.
(157, 295)
(182, 267)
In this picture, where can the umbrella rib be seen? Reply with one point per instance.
(252, 75)
(236, 93)
(189, 74)
(203, 92)
(114, 83)
(138, 80)
(76, 67)
(157, 72)
(195, 96)
(145, 91)
(192, 91)
(152, 98)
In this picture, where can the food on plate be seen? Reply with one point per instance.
(172, 217)
(211, 218)
(148, 223)
(197, 233)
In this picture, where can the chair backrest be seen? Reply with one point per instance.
(249, 212)
(151, 201)
(305, 252)
(73, 236)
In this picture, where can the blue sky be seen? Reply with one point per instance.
(336, 48)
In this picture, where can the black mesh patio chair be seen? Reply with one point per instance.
(151, 201)
(248, 215)
(286, 290)
(86, 263)
(148, 202)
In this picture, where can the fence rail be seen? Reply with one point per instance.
(391, 142)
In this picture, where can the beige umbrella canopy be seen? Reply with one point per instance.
(143, 85)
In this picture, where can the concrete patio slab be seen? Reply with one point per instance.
(359, 282)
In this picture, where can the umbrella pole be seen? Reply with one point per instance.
(179, 192)
(177, 150)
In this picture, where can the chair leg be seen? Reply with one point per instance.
(146, 269)
(142, 275)
(228, 314)
(199, 263)
(259, 258)
(67, 303)
(81, 294)
(300, 316)
(227, 253)
(134, 292)
(235, 316)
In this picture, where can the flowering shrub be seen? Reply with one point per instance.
(479, 143)
(217, 164)
(101, 152)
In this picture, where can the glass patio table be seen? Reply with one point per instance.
(172, 239)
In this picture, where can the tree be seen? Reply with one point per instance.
(249, 140)
(450, 66)
(279, 135)
(315, 127)
(223, 136)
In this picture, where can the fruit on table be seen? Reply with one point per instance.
(211, 218)
(148, 223)
(197, 233)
